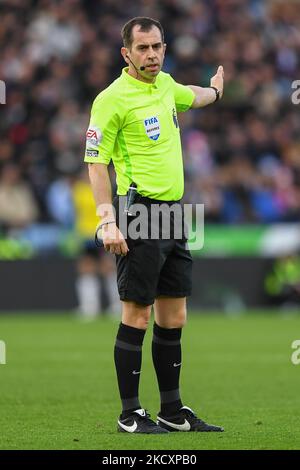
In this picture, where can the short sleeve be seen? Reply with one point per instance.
(183, 95)
(102, 131)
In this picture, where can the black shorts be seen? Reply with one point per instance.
(153, 267)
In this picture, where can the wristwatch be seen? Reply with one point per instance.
(217, 93)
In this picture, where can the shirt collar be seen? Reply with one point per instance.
(137, 83)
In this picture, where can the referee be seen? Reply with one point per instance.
(134, 123)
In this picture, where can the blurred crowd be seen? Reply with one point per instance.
(242, 156)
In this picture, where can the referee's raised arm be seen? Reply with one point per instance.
(211, 94)
(113, 239)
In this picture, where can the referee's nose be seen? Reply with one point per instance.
(152, 54)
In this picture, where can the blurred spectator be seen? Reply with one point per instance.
(96, 269)
(60, 202)
(282, 284)
(18, 208)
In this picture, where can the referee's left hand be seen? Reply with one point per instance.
(113, 240)
(218, 80)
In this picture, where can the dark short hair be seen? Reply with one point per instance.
(145, 24)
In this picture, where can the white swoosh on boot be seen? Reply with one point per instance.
(131, 428)
(180, 427)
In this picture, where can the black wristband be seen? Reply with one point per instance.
(217, 93)
(98, 242)
(106, 223)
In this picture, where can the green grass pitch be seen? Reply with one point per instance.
(58, 388)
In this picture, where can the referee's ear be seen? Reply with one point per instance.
(124, 53)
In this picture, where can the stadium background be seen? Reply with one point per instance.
(242, 157)
(242, 160)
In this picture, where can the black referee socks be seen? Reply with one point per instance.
(128, 361)
(166, 354)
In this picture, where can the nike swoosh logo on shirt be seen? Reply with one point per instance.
(136, 372)
(131, 428)
(180, 427)
(177, 365)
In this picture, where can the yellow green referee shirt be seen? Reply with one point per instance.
(135, 124)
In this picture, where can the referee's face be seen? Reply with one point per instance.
(147, 51)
